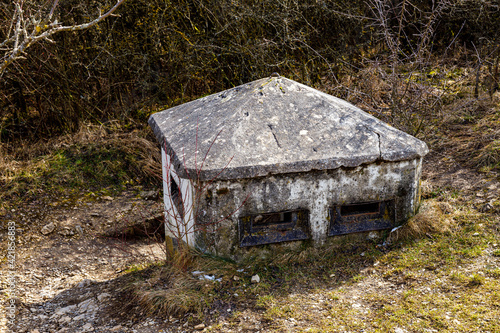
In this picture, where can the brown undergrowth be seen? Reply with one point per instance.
(96, 157)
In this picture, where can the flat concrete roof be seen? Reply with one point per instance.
(275, 125)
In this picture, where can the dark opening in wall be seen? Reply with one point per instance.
(367, 208)
(273, 220)
(176, 197)
(267, 228)
(358, 217)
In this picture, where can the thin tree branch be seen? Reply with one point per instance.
(21, 44)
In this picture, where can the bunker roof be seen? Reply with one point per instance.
(275, 125)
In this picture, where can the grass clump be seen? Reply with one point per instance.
(476, 280)
(168, 290)
(434, 217)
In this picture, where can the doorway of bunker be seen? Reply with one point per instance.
(176, 197)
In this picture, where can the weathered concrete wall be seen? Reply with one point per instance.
(179, 223)
(317, 191)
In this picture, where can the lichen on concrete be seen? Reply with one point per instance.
(315, 191)
(272, 126)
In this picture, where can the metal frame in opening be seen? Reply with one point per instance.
(359, 217)
(274, 227)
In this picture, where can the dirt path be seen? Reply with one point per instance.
(70, 259)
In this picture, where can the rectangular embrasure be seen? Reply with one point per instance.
(274, 227)
(359, 217)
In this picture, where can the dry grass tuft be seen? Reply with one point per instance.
(169, 291)
(433, 217)
(489, 155)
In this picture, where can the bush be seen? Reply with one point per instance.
(158, 54)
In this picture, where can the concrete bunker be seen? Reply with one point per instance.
(277, 163)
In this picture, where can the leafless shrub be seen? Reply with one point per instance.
(159, 54)
(402, 88)
(32, 24)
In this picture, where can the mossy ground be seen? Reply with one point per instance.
(102, 159)
(446, 280)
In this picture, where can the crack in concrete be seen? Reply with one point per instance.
(274, 135)
(379, 141)
(379, 145)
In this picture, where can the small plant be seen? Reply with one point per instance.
(265, 301)
(167, 289)
(494, 273)
(358, 278)
(333, 295)
(135, 268)
(476, 280)
(276, 311)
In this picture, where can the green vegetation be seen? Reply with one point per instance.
(441, 283)
(72, 123)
